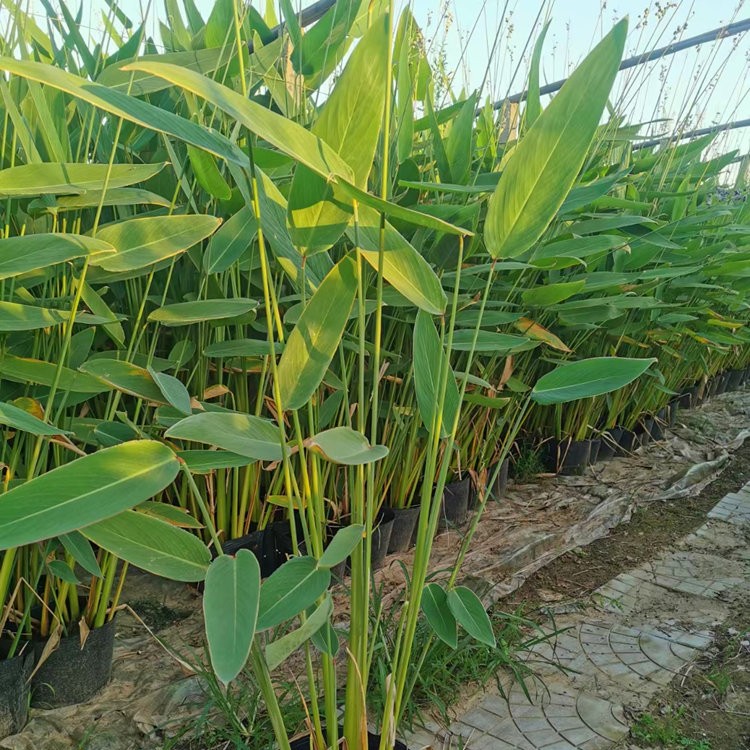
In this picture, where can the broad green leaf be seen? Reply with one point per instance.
(25, 370)
(420, 218)
(533, 100)
(238, 433)
(15, 317)
(108, 433)
(583, 194)
(587, 378)
(317, 335)
(241, 348)
(439, 615)
(35, 251)
(458, 144)
(151, 544)
(341, 546)
(273, 222)
(79, 548)
(173, 391)
(471, 615)
(49, 178)
(281, 649)
(579, 247)
(545, 164)
(207, 173)
(286, 135)
(404, 105)
(488, 402)
(85, 491)
(230, 611)
(98, 306)
(403, 267)
(128, 107)
(92, 198)
(200, 311)
(326, 640)
(292, 588)
(535, 331)
(490, 342)
(349, 122)
(171, 514)
(230, 241)
(429, 359)
(552, 293)
(325, 43)
(63, 571)
(204, 462)
(141, 242)
(343, 445)
(125, 377)
(19, 419)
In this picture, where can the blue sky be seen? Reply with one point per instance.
(695, 88)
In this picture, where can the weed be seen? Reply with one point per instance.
(234, 717)
(441, 675)
(527, 464)
(721, 681)
(664, 731)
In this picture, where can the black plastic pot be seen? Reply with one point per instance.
(14, 692)
(497, 490)
(381, 537)
(628, 442)
(645, 430)
(402, 531)
(674, 408)
(71, 674)
(735, 379)
(455, 505)
(596, 446)
(660, 422)
(373, 742)
(713, 386)
(262, 544)
(609, 443)
(575, 458)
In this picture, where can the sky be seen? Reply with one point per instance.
(487, 43)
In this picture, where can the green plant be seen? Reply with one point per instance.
(664, 731)
(721, 682)
(293, 302)
(527, 464)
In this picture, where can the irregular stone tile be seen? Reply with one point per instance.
(558, 717)
(638, 659)
(734, 507)
(720, 538)
(695, 574)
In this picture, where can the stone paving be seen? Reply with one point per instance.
(636, 633)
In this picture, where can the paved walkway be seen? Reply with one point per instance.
(635, 634)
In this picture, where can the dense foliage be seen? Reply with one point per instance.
(235, 289)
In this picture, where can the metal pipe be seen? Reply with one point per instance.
(722, 32)
(693, 133)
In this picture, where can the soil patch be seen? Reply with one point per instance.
(708, 708)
